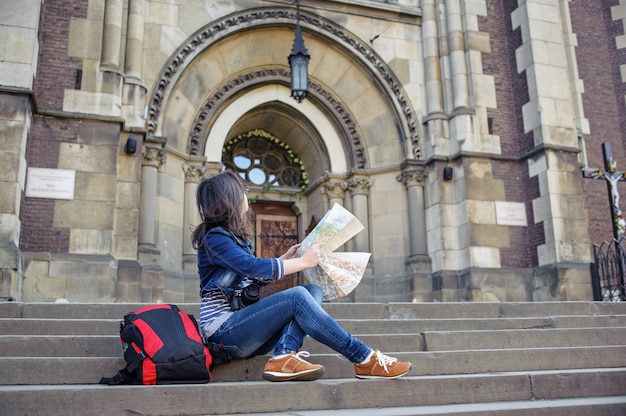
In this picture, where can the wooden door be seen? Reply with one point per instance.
(276, 229)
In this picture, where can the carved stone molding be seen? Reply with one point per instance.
(335, 189)
(194, 173)
(412, 177)
(198, 133)
(360, 186)
(345, 118)
(154, 156)
(270, 16)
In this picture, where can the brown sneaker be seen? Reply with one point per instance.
(292, 367)
(382, 366)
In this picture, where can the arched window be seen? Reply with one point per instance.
(265, 161)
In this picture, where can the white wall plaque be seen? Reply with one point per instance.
(50, 183)
(511, 213)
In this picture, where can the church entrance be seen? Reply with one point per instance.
(270, 168)
(275, 230)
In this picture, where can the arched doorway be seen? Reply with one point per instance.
(310, 134)
(354, 126)
(266, 163)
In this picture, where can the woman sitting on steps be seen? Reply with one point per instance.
(279, 322)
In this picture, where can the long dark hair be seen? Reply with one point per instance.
(220, 200)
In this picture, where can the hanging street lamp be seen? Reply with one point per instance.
(299, 63)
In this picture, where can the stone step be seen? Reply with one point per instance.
(596, 406)
(109, 345)
(485, 355)
(85, 370)
(324, 394)
(58, 326)
(524, 338)
(338, 310)
(381, 326)
(42, 326)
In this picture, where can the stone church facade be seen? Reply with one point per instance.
(455, 130)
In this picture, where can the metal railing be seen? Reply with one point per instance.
(607, 273)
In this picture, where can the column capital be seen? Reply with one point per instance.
(194, 173)
(153, 156)
(335, 189)
(153, 151)
(360, 185)
(413, 176)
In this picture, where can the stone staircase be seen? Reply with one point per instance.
(511, 359)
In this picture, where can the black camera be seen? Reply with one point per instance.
(249, 295)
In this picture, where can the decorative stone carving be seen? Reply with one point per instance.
(153, 156)
(360, 186)
(250, 18)
(198, 132)
(335, 189)
(194, 173)
(412, 177)
(348, 123)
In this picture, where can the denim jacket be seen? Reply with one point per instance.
(225, 260)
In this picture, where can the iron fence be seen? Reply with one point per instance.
(607, 273)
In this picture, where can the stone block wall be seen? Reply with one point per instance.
(494, 90)
(19, 21)
(19, 48)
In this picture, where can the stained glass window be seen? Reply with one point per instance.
(264, 160)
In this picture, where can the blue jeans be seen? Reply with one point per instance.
(281, 322)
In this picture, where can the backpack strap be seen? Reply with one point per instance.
(218, 353)
(126, 374)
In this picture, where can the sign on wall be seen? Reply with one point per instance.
(50, 183)
(511, 213)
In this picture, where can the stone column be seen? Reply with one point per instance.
(110, 57)
(359, 187)
(434, 92)
(459, 106)
(425, 285)
(413, 179)
(335, 191)
(458, 64)
(194, 173)
(133, 65)
(152, 285)
(435, 118)
(153, 158)
(134, 87)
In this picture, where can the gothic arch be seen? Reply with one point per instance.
(332, 106)
(329, 153)
(270, 17)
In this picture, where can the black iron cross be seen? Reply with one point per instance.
(612, 176)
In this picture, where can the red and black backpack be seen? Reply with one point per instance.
(162, 345)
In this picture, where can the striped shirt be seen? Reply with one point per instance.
(222, 252)
(214, 311)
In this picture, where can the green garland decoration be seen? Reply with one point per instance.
(304, 180)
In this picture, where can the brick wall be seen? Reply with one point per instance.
(38, 233)
(511, 87)
(512, 93)
(56, 71)
(603, 100)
